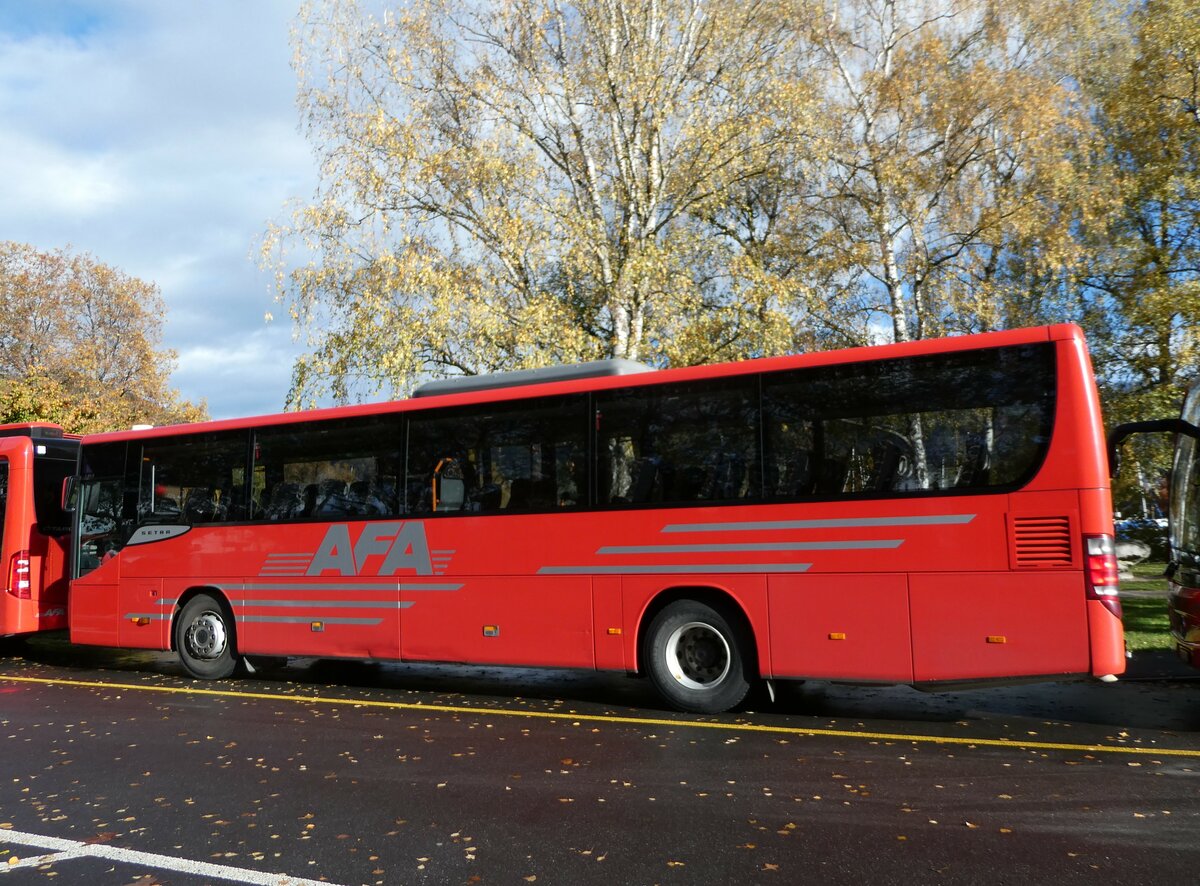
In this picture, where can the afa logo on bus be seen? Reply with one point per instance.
(380, 549)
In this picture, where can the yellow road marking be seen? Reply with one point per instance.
(628, 721)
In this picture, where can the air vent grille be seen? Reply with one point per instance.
(1042, 542)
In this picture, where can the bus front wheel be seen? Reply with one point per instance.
(696, 658)
(204, 639)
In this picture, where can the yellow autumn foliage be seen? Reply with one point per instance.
(80, 344)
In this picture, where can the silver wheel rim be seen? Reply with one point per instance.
(205, 637)
(698, 656)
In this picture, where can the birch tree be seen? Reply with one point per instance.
(1143, 275)
(1140, 282)
(523, 182)
(951, 135)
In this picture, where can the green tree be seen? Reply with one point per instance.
(533, 181)
(1140, 277)
(79, 344)
(949, 144)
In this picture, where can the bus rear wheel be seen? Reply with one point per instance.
(204, 639)
(696, 658)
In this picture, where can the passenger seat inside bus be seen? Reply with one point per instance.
(887, 458)
(330, 499)
(365, 499)
(647, 478)
(203, 505)
(452, 493)
(976, 462)
(285, 502)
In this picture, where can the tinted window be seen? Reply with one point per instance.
(967, 421)
(330, 470)
(48, 477)
(524, 456)
(692, 442)
(196, 479)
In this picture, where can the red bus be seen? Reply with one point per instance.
(1183, 564)
(931, 513)
(35, 459)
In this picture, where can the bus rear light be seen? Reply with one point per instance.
(1102, 572)
(18, 575)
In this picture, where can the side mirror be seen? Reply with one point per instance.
(1118, 435)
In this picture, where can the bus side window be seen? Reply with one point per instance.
(970, 421)
(191, 480)
(511, 457)
(678, 443)
(327, 471)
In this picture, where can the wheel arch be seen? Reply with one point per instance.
(217, 594)
(718, 598)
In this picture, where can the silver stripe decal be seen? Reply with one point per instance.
(835, 523)
(341, 586)
(722, 568)
(754, 546)
(311, 586)
(301, 619)
(328, 604)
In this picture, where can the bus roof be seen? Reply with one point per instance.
(463, 384)
(569, 379)
(41, 429)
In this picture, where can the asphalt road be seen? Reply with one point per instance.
(116, 769)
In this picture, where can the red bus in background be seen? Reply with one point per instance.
(35, 459)
(931, 513)
(1183, 570)
(1183, 565)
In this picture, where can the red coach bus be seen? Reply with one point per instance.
(35, 458)
(929, 513)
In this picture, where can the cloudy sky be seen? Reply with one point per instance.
(161, 136)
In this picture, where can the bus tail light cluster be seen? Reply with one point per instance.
(1102, 572)
(18, 575)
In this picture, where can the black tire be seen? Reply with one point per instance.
(696, 658)
(204, 639)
